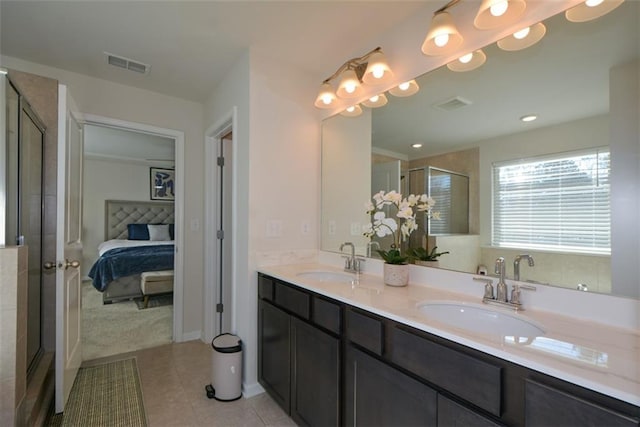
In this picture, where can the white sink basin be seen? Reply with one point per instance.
(327, 276)
(482, 319)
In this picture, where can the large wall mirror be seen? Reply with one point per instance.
(575, 80)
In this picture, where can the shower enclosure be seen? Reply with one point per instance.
(24, 204)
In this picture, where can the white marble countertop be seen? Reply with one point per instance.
(596, 356)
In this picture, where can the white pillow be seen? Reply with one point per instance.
(159, 232)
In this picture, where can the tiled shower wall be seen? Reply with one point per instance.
(13, 333)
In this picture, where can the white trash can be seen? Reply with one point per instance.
(226, 368)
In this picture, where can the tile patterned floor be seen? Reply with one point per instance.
(173, 378)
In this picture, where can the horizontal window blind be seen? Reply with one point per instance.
(559, 202)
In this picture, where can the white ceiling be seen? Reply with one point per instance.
(191, 45)
(106, 143)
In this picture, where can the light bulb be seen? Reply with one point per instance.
(522, 33)
(374, 98)
(466, 58)
(441, 40)
(416, 145)
(593, 3)
(327, 99)
(378, 72)
(351, 109)
(350, 87)
(404, 86)
(499, 8)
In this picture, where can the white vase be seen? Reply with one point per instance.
(434, 264)
(396, 274)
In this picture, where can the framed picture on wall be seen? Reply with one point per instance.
(162, 184)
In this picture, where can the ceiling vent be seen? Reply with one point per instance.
(126, 63)
(452, 103)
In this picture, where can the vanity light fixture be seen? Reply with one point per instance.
(443, 38)
(371, 68)
(405, 89)
(524, 38)
(468, 62)
(528, 118)
(591, 9)
(498, 13)
(375, 101)
(352, 111)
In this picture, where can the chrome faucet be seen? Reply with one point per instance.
(516, 264)
(351, 263)
(370, 245)
(501, 286)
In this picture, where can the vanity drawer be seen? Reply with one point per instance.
(364, 330)
(265, 288)
(546, 406)
(327, 314)
(471, 379)
(297, 302)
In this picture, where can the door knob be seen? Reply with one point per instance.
(74, 264)
(49, 265)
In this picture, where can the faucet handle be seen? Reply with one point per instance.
(347, 262)
(515, 292)
(488, 287)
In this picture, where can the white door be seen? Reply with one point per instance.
(68, 247)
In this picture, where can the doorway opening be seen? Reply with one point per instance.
(121, 196)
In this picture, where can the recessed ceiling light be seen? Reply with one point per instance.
(528, 118)
(416, 145)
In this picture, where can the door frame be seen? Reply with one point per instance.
(178, 137)
(213, 134)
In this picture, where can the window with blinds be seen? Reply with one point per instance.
(554, 203)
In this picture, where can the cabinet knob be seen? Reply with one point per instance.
(49, 265)
(74, 264)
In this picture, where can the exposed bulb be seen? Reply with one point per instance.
(441, 40)
(404, 86)
(351, 109)
(378, 72)
(593, 3)
(350, 87)
(466, 58)
(374, 98)
(499, 8)
(522, 33)
(327, 99)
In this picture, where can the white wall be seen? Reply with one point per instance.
(277, 178)
(107, 180)
(116, 101)
(625, 177)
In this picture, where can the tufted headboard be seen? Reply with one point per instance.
(119, 213)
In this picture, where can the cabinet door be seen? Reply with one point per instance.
(452, 414)
(379, 395)
(546, 406)
(274, 355)
(315, 386)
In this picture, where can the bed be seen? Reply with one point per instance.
(138, 238)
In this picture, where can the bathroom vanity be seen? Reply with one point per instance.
(334, 352)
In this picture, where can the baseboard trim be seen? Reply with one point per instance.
(190, 336)
(250, 390)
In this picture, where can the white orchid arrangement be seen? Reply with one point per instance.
(399, 227)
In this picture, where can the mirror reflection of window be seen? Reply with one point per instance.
(450, 190)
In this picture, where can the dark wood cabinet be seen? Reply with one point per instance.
(328, 363)
(547, 406)
(299, 363)
(315, 376)
(378, 395)
(452, 414)
(274, 354)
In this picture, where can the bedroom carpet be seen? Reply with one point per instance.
(120, 327)
(106, 395)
